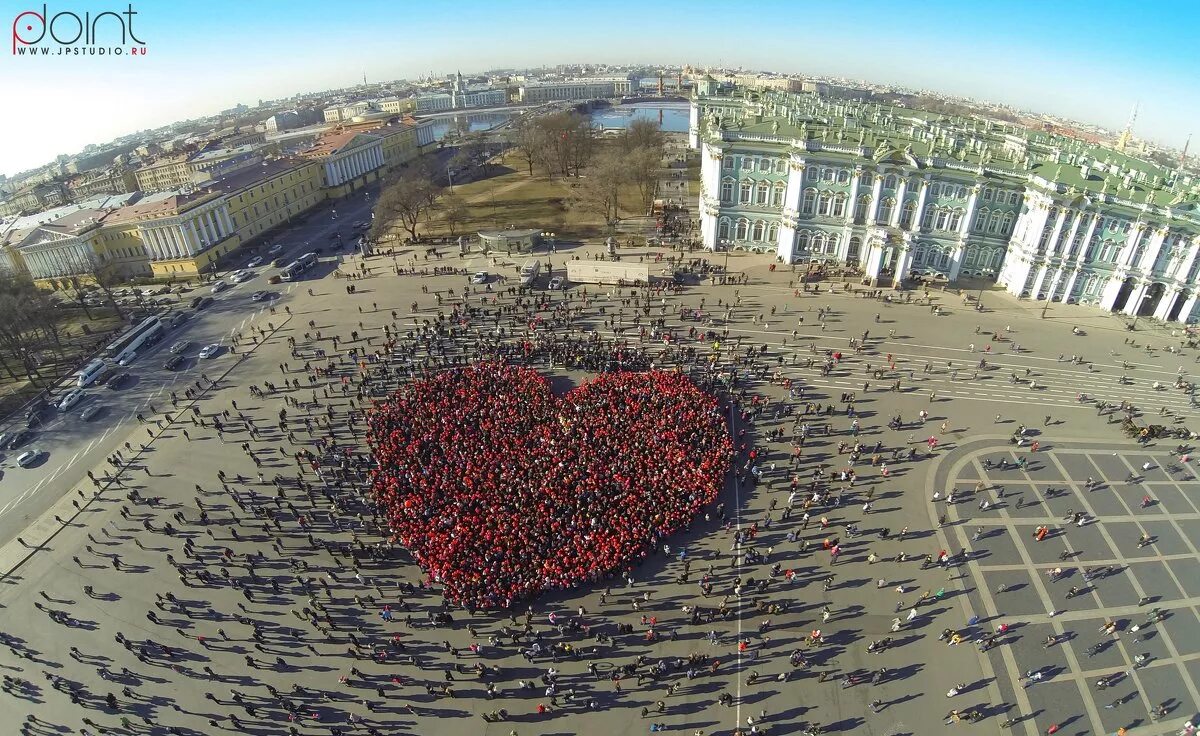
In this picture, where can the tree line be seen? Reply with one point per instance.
(565, 144)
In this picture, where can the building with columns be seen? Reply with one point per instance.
(907, 195)
(349, 160)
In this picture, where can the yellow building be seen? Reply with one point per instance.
(164, 174)
(399, 144)
(349, 160)
(264, 197)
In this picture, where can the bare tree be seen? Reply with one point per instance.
(407, 198)
(530, 141)
(643, 167)
(644, 134)
(599, 193)
(454, 212)
(104, 276)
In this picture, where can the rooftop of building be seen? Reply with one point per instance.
(251, 175)
(159, 204)
(331, 143)
(892, 132)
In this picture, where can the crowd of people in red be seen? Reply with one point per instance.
(502, 490)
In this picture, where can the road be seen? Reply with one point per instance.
(72, 447)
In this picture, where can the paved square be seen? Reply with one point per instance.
(1018, 580)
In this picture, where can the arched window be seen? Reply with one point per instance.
(1014, 198)
(854, 249)
(890, 181)
(723, 229)
(809, 204)
(981, 219)
(861, 208)
(743, 227)
(942, 216)
(839, 204)
(777, 194)
(955, 219)
(1006, 223)
(727, 162)
(907, 213)
(802, 241)
(884, 216)
(832, 248)
(960, 192)
(843, 176)
(827, 174)
(773, 232)
(986, 194)
(756, 232)
(812, 173)
(747, 192)
(819, 242)
(927, 217)
(919, 255)
(780, 166)
(764, 193)
(823, 203)
(727, 190)
(994, 221)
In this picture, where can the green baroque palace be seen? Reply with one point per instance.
(907, 194)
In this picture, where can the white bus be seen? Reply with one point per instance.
(88, 374)
(297, 267)
(126, 346)
(530, 271)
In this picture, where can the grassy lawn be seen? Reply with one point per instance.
(512, 197)
(77, 346)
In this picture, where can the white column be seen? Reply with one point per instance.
(964, 227)
(229, 228)
(1182, 274)
(1070, 283)
(1075, 222)
(1038, 280)
(956, 261)
(873, 210)
(1087, 239)
(1185, 313)
(922, 197)
(1051, 245)
(1108, 297)
(192, 240)
(853, 195)
(1170, 294)
(1135, 298)
(894, 220)
(1135, 234)
(1150, 257)
(903, 263)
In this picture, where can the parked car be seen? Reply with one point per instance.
(18, 438)
(90, 412)
(70, 399)
(239, 276)
(275, 249)
(118, 380)
(29, 457)
(201, 302)
(105, 375)
(556, 283)
(128, 359)
(178, 318)
(480, 277)
(174, 362)
(180, 346)
(209, 351)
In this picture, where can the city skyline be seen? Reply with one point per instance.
(200, 63)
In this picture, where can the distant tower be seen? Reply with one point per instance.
(364, 79)
(1127, 134)
(660, 83)
(1183, 154)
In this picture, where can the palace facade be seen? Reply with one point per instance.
(910, 195)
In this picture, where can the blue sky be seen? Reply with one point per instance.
(1091, 61)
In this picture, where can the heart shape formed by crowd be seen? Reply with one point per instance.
(502, 490)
